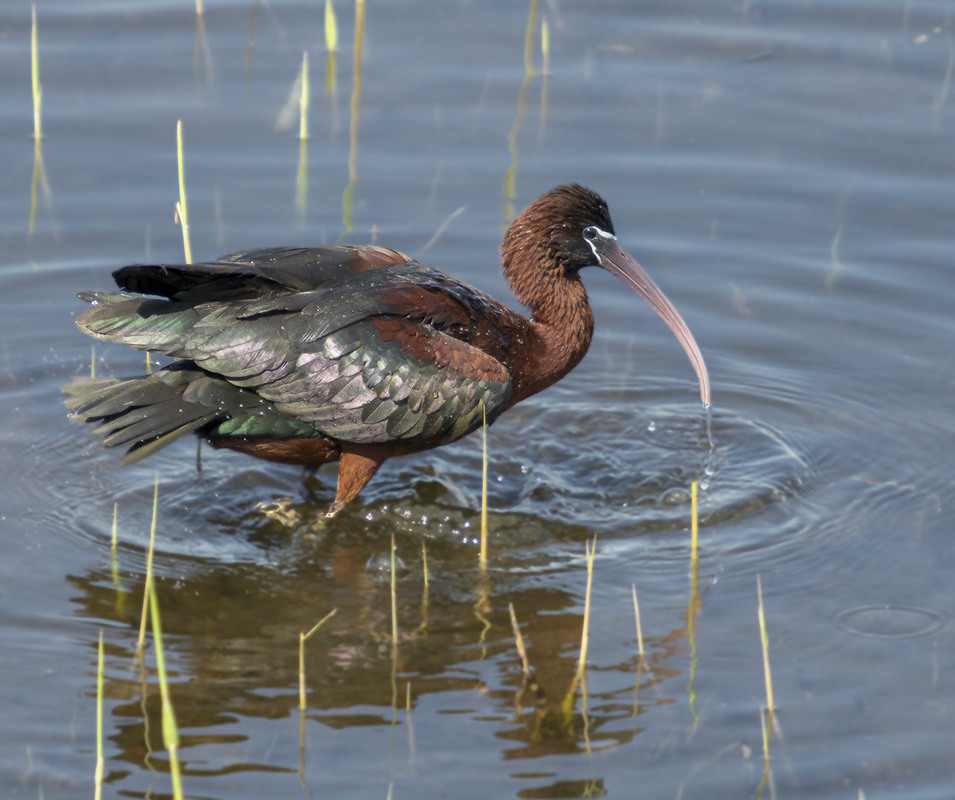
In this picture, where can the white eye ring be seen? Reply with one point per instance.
(594, 237)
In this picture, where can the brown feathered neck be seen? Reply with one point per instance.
(542, 254)
(544, 250)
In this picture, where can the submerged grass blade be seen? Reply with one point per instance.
(202, 53)
(114, 562)
(424, 592)
(170, 731)
(302, 638)
(98, 774)
(424, 568)
(149, 571)
(694, 522)
(394, 638)
(301, 707)
(766, 723)
(483, 554)
(519, 641)
(693, 606)
(528, 680)
(408, 724)
(37, 181)
(330, 73)
(482, 607)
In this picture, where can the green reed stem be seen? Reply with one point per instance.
(764, 638)
(529, 39)
(636, 613)
(580, 677)
(303, 100)
(182, 209)
(331, 27)
(35, 72)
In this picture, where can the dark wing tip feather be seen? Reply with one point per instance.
(91, 295)
(142, 414)
(163, 280)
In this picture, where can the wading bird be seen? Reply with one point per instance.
(353, 353)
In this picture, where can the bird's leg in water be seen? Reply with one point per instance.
(355, 471)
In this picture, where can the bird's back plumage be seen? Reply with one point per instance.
(351, 344)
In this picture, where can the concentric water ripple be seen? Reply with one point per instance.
(890, 622)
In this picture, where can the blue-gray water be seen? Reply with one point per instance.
(784, 170)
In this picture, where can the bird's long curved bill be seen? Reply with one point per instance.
(619, 262)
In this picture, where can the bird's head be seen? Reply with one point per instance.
(567, 229)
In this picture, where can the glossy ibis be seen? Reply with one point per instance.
(353, 354)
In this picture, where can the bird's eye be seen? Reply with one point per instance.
(590, 233)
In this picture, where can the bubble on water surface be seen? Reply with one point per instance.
(675, 497)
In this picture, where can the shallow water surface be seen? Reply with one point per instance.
(784, 170)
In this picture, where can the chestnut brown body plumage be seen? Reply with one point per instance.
(353, 354)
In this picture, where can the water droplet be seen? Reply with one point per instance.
(677, 496)
(381, 562)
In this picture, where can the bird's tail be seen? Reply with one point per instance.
(144, 413)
